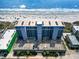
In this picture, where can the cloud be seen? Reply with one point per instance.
(23, 6)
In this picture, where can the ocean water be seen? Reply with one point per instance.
(38, 4)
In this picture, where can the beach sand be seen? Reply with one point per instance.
(66, 16)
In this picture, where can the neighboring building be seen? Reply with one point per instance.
(7, 39)
(76, 31)
(39, 29)
(72, 41)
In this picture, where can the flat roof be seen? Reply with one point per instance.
(47, 46)
(73, 40)
(27, 46)
(76, 28)
(6, 39)
(32, 21)
(41, 46)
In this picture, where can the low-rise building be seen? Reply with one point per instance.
(72, 41)
(7, 40)
(76, 31)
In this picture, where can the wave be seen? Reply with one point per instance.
(52, 9)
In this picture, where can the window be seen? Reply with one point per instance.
(31, 31)
(60, 32)
(19, 34)
(47, 32)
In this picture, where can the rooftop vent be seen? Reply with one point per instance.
(62, 23)
(29, 22)
(22, 23)
(49, 23)
(56, 23)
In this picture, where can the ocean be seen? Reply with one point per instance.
(38, 4)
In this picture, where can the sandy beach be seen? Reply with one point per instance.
(13, 16)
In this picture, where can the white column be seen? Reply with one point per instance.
(24, 33)
(55, 33)
(39, 32)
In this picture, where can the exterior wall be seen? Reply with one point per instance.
(47, 32)
(77, 35)
(60, 32)
(40, 32)
(20, 32)
(32, 33)
(74, 31)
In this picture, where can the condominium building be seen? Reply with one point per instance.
(39, 29)
(39, 33)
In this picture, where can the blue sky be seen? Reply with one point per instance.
(40, 3)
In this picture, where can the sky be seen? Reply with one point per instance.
(39, 3)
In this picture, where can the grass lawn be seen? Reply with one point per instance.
(68, 27)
